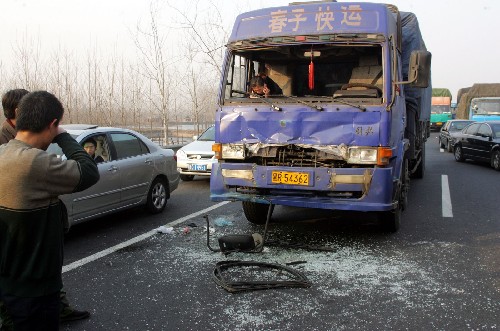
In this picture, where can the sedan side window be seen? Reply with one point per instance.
(101, 149)
(484, 131)
(128, 145)
(472, 129)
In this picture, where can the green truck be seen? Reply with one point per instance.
(440, 107)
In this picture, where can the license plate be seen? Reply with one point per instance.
(290, 178)
(197, 167)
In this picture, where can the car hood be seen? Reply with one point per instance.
(199, 147)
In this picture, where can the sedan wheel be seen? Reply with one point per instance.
(441, 144)
(459, 156)
(187, 178)
(157, 196)
(495, 160)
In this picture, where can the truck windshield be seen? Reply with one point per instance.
(440, 109)
(308, 72)
(486, 106)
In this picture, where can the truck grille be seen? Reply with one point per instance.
(295, 156)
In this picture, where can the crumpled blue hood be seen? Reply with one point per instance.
(299, 126)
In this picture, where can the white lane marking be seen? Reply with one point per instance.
(132, 241)
(445, 197)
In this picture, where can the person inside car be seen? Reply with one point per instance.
(90, 146)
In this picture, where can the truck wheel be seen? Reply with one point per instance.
(187, 178)
(419, 173)
(255, 213)
(391, 220)
(459, 155)
(157, 196)
(495, 160)
(403, 200)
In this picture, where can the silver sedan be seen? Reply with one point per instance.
(134, 171)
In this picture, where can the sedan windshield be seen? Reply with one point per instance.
(208, 135)
(457, 126)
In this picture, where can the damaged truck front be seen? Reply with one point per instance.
(345, 130)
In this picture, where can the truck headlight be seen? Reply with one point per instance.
(362, 155)
(233, 151)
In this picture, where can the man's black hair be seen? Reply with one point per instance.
(37, 110)
(92, 141)
(256, 81)
(10, 101)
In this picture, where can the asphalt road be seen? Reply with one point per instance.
(441, 271)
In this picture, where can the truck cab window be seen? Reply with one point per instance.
(346, 72)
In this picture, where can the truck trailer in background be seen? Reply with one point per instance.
(440, 107)
(349, 126)
(480, 102)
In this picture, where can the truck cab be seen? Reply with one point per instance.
(346, 123)
(485, 109)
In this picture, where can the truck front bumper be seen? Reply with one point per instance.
(358, 189)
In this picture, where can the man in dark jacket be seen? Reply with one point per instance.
(10, 101)
(9, 104)
(31, 215)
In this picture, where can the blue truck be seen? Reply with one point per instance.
(346, 129)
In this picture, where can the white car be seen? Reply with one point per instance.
(134, 171)
(196, 158)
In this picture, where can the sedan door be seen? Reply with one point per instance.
(135, 165)
(483, 142)
(467, 140)
(102, 197)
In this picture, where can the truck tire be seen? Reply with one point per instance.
(419, 172)
(255, 213)
(403, 196)
(391, 220)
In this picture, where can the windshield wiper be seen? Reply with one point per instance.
(303, 102)
(273, 106)
(345, 103)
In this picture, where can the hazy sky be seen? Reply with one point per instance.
(461, 35)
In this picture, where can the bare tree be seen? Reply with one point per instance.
(151, 44)
(208, 35)
(27, 55)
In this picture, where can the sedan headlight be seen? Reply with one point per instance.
(181, 154)
(233, 151)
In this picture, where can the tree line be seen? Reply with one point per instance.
(162, 86)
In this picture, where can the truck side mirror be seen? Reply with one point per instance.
(419, 73)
